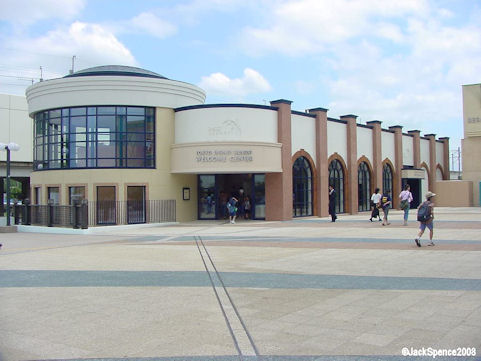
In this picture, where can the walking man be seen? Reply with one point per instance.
(332, 203)
(426, 219)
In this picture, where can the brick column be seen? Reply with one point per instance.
(416, 148)
(432, 161)
(376, 153)
(398, 166)
(279, 185)
(447, 171)
(352, 194)
(322, 196)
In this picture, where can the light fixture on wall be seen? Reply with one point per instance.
(8, 147)
(186, 194)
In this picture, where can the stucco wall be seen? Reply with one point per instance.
(337, 139)
(16, 126)
(424, 151)
(388, 147)
(408, 154)
(454, 194)
(303, 132)
(225, 124)
(364, 143)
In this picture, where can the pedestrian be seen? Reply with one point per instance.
(426, 219)
(385, 204)
(375, 204)
(406, 198)
(332, 203)
(232, 209)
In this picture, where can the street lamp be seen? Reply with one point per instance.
(8, 147)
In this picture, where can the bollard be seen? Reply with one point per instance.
(27, 215)
(16, 213)
(76, 214)
(50, 214)
(84, 214)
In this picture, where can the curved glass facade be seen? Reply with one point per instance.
(95, 137)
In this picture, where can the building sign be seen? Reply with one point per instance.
(223, 156)
(226, 130)
(472, 110)
(413, 173)
(226, 157)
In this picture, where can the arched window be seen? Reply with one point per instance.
(336, 179)
(364, 187)
(302, 188)
(387, 180)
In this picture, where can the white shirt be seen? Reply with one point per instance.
(376, 198)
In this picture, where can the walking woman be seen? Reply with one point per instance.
(375, 204)
(406, 198)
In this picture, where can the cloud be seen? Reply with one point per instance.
(151, 24)
(311, 26)
(30, 11)
(221, 84)
(90, 43)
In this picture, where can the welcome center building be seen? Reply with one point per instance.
(122, 135)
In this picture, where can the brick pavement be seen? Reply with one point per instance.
(306, 289)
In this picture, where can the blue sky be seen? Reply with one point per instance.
(402, 62)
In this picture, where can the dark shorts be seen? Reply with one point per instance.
(429, 225)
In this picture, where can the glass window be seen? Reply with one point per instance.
(364, 187)
(336, 179)
(77, 137)
(302, 187)
(76, 194)
(53, 194)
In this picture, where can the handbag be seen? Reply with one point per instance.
(404, 204)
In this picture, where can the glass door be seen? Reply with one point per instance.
(259, 196)
(207, 197)
(135, 204)
(106, 205)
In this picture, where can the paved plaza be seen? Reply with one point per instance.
(306, 289)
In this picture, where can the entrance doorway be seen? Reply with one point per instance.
(415, 185)
(216, 189)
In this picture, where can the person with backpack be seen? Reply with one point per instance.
(232, 209)
(385, 204)
(406, 198)
(425, 218)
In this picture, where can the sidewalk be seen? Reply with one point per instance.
(306, 289)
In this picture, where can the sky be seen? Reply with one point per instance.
(398, 61)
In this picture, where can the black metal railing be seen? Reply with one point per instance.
(89, 214)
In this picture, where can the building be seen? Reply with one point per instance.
(471, 144)
(125, 137)
(16, 127)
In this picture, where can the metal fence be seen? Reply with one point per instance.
(90, 214)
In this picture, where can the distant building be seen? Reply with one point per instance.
(16, 127)
(125, 137)
(471, 143)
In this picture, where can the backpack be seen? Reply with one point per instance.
(424, 212)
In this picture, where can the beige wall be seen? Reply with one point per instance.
(472, 164)
(471, 145)
(160, 183)
(454, 194)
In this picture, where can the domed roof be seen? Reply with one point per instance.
(109, 70)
